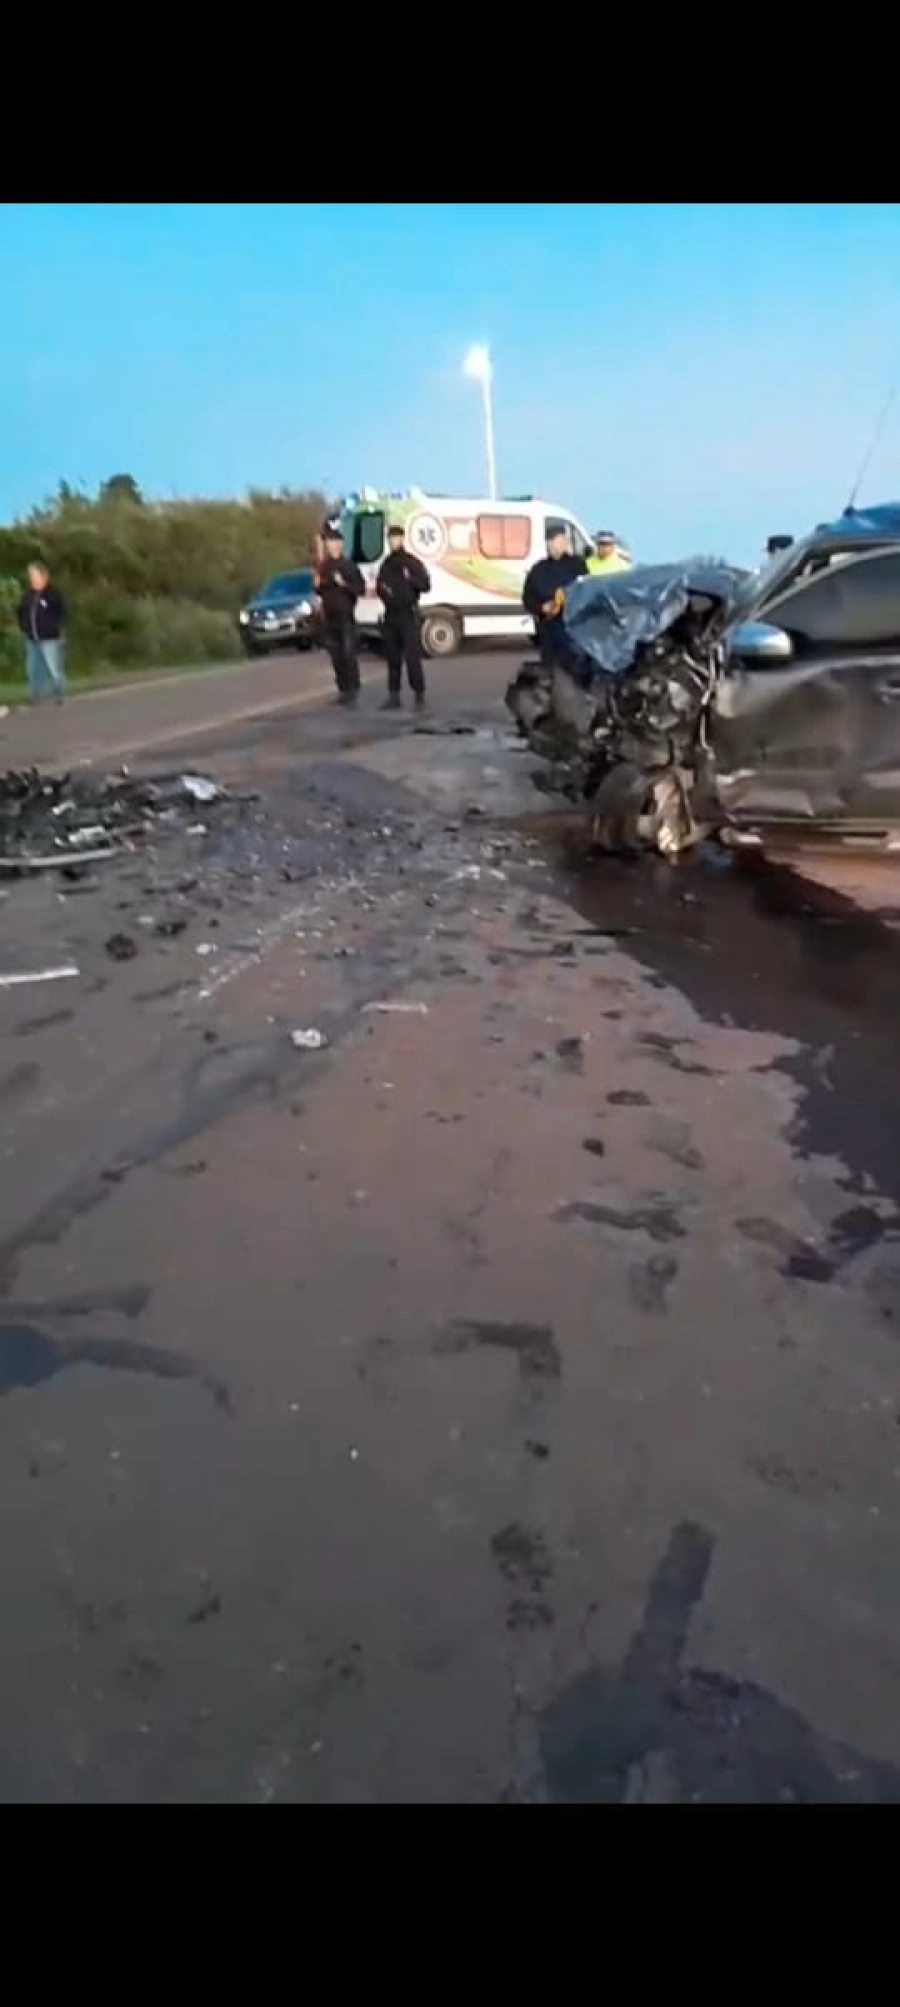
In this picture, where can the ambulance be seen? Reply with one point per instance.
(476, 551)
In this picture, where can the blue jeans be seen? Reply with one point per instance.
(43, 667)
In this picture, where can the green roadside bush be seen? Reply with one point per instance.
(110, 632)
(151, 584)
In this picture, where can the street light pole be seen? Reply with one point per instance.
(478, 366)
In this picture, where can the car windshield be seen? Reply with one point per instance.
(363, 533)
(850, 536)
(763, 584)
(288, 585)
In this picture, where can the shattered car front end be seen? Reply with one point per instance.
(625, 726)
(701, 699)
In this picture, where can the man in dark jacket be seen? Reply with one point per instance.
(401, 582)
(544, 591)
(41, 616)
(340, 584)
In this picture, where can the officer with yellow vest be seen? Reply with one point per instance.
(608, 555)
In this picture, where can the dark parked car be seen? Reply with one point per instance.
(700, 697)
(281, 615)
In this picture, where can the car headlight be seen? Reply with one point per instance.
(243, 616)
(303, 609)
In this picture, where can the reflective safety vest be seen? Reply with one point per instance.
(616, 561)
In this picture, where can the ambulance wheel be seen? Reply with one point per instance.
(441, 633)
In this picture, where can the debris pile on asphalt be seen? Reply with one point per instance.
(60, 819)
(201, 870)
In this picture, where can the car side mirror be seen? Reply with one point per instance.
(760, 645)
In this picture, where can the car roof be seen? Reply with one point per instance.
(880, 521)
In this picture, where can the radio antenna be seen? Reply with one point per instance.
(874, 442)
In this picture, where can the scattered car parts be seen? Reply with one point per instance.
(51, 821)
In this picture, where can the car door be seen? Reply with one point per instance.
(818, 737)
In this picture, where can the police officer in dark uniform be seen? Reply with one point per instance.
(544, 591)
(340, 584)
(401, 582)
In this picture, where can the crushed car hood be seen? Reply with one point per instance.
(612, 620)
(646, 656)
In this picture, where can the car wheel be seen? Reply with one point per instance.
(251, 647)
(441, 633)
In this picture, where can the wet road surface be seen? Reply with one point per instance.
(497, 1404)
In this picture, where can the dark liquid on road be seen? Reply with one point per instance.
(756, 945)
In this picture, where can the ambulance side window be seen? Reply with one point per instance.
(506, 537)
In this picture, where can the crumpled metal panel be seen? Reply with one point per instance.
(809, 742)
(609, 619)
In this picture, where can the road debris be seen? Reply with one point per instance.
(398, 1009)
(8, 982)
(445, 731)
(57, 862)
(121, 947)
(309, 1041)
(199, 788)
(46, 819)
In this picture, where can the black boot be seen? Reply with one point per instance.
(420, 700)
(392, 702)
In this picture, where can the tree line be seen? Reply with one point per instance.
(150, 584)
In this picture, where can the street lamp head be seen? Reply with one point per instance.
(478, 363)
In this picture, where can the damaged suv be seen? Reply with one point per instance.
(702, 699)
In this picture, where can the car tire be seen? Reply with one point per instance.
(441, 633)
(251, 647)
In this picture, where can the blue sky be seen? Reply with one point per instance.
(694, 375)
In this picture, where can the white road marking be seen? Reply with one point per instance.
(270, 936)
(38, 976)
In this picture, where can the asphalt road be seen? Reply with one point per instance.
(499, 1403)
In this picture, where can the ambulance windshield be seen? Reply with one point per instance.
(364, 535)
